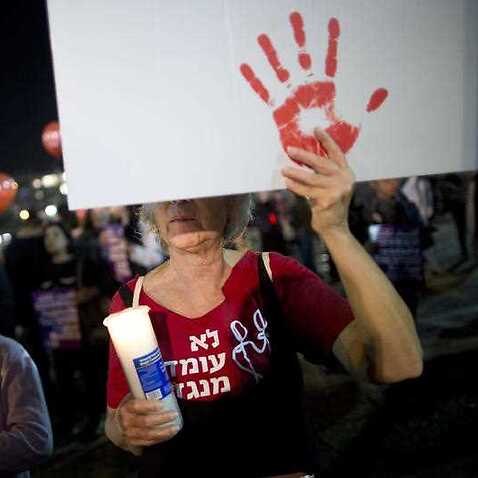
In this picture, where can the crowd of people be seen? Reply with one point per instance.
(57, 278)
(392, 218)
(57, 282)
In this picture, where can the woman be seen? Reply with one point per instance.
(229, 324)
(69, 308)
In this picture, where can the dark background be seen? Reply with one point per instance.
(27, 88)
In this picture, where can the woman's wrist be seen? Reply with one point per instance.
(333, 234)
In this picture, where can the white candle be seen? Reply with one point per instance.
(138, 351)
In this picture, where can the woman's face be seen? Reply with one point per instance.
(55, 240)
(190, 224)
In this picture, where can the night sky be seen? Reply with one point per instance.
(27, 88)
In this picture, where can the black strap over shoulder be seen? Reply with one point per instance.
(126, 295)
(267, 287)
(272, 308)
(269, 297)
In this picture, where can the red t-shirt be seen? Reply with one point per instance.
(228, 349)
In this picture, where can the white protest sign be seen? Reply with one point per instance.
(170, 99)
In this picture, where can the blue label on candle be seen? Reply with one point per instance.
(152, 375)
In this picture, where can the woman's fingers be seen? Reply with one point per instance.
(311, 185)
(142, 419)
(153, 420)
(138, 406)
(321, 198)
(319, 164)
(141, 437)
(331, 147)
(308, 178)
(147, 422)
(302, 189)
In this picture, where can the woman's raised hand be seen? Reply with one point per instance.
(327, 184)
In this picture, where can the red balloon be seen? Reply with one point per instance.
(51, 139)
(8, 191)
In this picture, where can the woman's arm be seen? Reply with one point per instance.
(383, 334)
(382, 339)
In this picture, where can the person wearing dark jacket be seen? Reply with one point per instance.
(25, 431)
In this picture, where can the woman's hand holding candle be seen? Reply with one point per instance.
(146, 422)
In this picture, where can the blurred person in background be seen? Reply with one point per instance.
(266, 219)
(418, 190)
(144, 250)
(24, 260)
(70, 307)
(358, 218)
(114, 244)
(304, 234)
(89, 251)
(7, 318)
(396, 233)
(453, 188)
(26, 437)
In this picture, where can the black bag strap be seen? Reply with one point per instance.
(271, 301)
(126, 295)
(284, 350)
(266, 282)
(268, 292)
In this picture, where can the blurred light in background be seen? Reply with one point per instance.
(24, 215)
(50, 180)
(5, 238)
(8, 184)
(64, 189)
(36, 183)
(51, 210)
(272, 218)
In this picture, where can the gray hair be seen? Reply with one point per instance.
(238, 216)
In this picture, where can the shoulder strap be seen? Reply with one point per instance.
(265, 276)
(266, 259)
(137, 290)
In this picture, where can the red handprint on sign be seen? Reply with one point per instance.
(308, 96)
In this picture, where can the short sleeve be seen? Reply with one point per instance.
(117, 386)
(316, 313)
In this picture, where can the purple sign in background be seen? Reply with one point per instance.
(58, 316)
